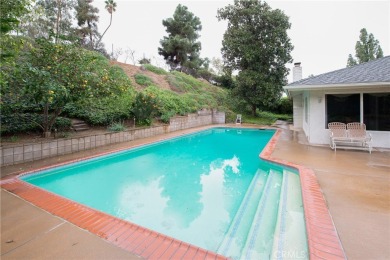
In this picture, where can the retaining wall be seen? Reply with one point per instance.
(20, 153)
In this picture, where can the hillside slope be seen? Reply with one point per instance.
(177, 92)
(131, 71)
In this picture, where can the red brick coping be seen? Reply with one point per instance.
(323, 240)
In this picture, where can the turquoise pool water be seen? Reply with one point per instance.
(209, 189)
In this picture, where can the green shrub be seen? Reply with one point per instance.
(144, 61)
(155, 69)
(171, 102)
(102, 111)
(144, 108)
(167, 116)
(29, 122)
(273, 116)
(264, 118)
(225, 81)
(117, 127)
(143, 80)
(285, 106)
(230, 116)
(62, 124)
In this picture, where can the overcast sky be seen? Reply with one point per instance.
(323, 32)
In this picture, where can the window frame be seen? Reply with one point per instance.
(361, 105)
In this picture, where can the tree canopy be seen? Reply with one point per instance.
(11, 12)
(256, 45)
(49, 76)
(87, 18)
(180, 48)
(366, 49)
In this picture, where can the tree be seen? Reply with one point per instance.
(87, 19)
(49, 19)
(129, 53)
(110, 7)
(256, 44)
(367, 48)
(144, 60)
(116, 53)
(181, 48)
(11, 12)
(217, 65)
(57, 74)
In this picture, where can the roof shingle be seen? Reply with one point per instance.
(373, 71)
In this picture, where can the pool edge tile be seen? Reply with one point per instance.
(316, 212)
(313, 201)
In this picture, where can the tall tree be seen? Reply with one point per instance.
(181, 48)
(110, 7)
(50, 19)
(11, 12)
(217, 65)
(367, 48)
(256, 44)
(87, 19)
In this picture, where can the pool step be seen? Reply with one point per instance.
(259, 242)
(289, 240)
(236, 236)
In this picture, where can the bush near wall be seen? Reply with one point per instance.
(29, 122)
(102, 111)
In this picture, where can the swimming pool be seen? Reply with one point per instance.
(209, 189)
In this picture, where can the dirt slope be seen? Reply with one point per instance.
(131, 70)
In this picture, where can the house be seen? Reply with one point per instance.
(356, 94)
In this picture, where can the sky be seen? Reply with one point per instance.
(323, 32)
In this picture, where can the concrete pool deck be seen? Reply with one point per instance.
(354, 183)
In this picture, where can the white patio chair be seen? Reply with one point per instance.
(357, 134)
(239, 119)
(337, 133)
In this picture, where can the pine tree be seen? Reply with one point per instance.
(180, 48)
(367, 48)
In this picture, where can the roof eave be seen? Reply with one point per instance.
(336, 86)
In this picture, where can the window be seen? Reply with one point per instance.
(343, 108)
(376, 108)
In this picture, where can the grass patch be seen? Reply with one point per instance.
(143, 80)
(265, 118)
(117, 127)
(155, 69)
